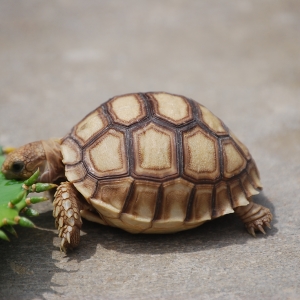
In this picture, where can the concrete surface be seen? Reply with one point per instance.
(60, 59)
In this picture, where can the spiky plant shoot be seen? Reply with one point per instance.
(14, 200)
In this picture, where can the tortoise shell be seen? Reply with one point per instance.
(158, 163)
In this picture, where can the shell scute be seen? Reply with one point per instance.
(223, 204)
(234, 161)
(75, 172)
(86, 187)
(172, 108)
(110, 197)
(211, 121)
(237, 194)
(71, 151)
(200, 155)
(243, 148)
(172, 208)
(254, 175)
(200, 208)
(127, 109)
(155, 152)
(107, 155)
(158, 163)
(142, 203)
(90, 126)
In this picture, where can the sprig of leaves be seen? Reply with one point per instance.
(14, 201)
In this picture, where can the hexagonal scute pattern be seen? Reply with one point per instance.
(234, 161)
(201, 206)
(172, 108)
(158, 163)
(110, 197)
(86, 187)
(75, 172)
(241, 145)
(107, 155)
(154, 151)
(141, 205)
(211, 121)
(127, 109)
(90, 126)
(70, 151)
(200, 155)
(173, 206)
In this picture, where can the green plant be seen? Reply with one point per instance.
(14, 201)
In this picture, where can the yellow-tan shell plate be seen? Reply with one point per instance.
(157, 162)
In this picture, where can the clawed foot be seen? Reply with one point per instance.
(67, 216)
(255, 217)
(258, 225)
(70, 237)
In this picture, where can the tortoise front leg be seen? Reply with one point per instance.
(67, 206)
(255, 217)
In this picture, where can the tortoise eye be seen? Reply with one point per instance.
(17, 166)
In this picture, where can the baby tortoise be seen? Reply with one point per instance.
(147, 163)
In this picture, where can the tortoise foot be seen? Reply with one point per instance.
(255, 217)
(70, 237)
(67, 216)
(259, 224)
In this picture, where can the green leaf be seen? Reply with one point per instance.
(33, 178)
(30, 212)
(13, 200)
(9, 190)
(3, 236)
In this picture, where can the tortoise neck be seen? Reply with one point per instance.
(54, 167)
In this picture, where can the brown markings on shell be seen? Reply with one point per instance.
(173, 108)
(237, 194)
(90, 126)
(223, 203)
(152, 196)
(200, 154)
(234, 161)
(154, 152)
(107, 155)
(201, 205)
(174, 201)
(75, 172)
(247, 186)
(243, 148)
(71, 151)
(126, 109)
(254, 175)
(110, 197)
(86, 187)
(211, 121)
(140, 209)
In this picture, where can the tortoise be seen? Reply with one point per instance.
(146, 163)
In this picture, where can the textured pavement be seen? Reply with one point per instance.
(241, 59)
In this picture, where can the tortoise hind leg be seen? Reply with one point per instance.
(67, 205)
(255, 217)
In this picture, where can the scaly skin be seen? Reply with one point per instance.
(255, 217)
(43, 155)
(67, 215)
(68, 208)
(68, 211)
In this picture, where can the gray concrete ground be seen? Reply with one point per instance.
(60, 59)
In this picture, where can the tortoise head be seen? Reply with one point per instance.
(24, 161)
